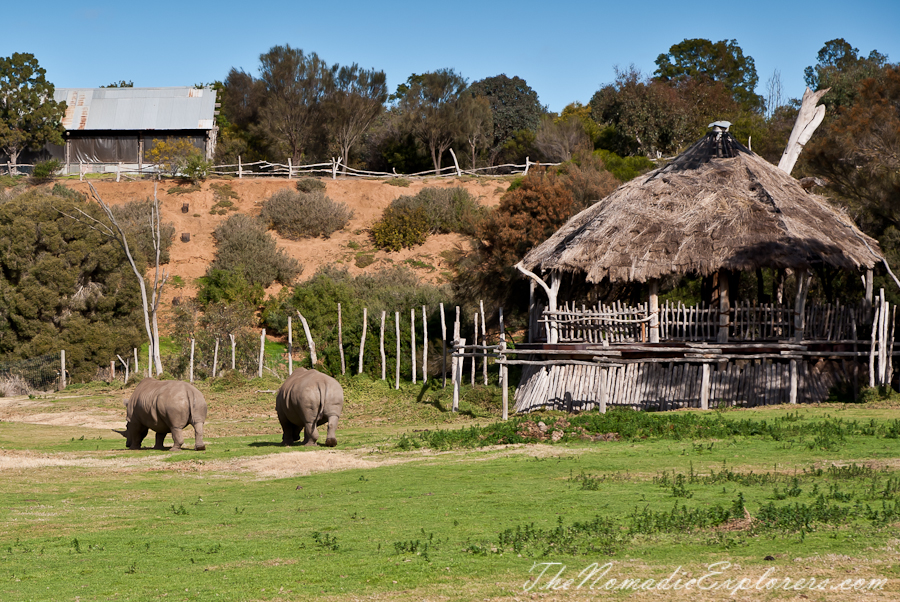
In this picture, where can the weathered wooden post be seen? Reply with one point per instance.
(794, 382)
(604, 395)
(397, 370)
(112, 370)
(290, 168)
(62, 369)
(474, 348)
(240, 168)
(654, 310)
(192, 360)
(444, 346)
(381, 346)
(149, 359)
(216, 358)
(341, 340)
(262, 351)
(231, 336)
(504, 374)
(412, 336)
(459, 346)
(800, 304)
(484, 365)
(362, 341)
(724, 306)
(424, 346)
(312, 346)
(136, 367)
(704, 387)
(290, 346)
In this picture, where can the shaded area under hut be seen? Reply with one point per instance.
(715, 211)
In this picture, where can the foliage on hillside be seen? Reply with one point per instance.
(296, 214)
(243, 245)
(64, 284)
(409, 219)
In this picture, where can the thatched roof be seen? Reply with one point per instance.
(716, 206)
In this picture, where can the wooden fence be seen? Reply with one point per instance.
(262, 169)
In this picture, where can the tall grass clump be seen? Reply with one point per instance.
(409, 219)
(297, 215)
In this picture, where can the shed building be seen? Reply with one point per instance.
(119, 125)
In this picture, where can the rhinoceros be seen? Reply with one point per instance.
(306, 400)
(166, 406)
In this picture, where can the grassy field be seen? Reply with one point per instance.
(416, 503)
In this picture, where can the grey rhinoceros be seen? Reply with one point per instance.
(165, 406)
(306, 400)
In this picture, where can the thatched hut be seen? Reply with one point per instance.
(715, 210)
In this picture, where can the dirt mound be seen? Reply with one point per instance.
(190, 213)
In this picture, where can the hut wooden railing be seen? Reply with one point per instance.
(619, 323)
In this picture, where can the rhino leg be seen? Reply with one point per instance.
(310, 434)
(331, 439)
(177, 438)
(289, 431)
(160, 438)
(136, 437)
(199, 445)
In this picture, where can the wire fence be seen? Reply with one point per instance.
(34, 374)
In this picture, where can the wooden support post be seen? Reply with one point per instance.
(262, 351)
(290, 168)
(233, 345)
(800, 304)
(240, 168)
(504, 372)
(136, 368)
(531, 286)
(397, 369)
(424, 346)
(484, 363)
(455, 343)
(341, 341)
(704, 388)
(604, 394)
(875, 320)
(412, 336)
(456, 164)
(443, 347)
(312, 346)
(62, 369)
(381, 346)
(124, 363)
(216, 357)
(458, 347)
(724, 307)
(149, 359)
(112, 371)
(474, 349)
(867, 299)
(362, 341)
(290, 346)
(192, 360)
(654, 310)
(794, 382)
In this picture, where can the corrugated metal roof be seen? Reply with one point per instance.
(138, 108)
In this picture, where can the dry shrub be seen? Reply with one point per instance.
(243, 245)
(297, 215)
(12, 385)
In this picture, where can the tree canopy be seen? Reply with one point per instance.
(514, 105)
(721, 61)
(841, 68)
(29, 117)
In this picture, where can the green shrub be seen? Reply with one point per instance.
(625, 168)
(401, 182)
(64, 192)
(297, 215)
(401, 227)
(310, 185)
(196, 168)
(447, 209)
(244, 246)
(45, 169)
(227, 286)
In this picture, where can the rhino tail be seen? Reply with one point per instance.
(196, 407)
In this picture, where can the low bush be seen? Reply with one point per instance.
(401, 227)
(45, 169)
(297, 215)
(243, 245)
(409, 219)
(310, 185)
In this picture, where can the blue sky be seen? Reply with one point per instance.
(565, 51)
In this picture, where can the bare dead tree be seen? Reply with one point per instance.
(774, 94)
(150, 307)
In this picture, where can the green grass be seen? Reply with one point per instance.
(436, 505)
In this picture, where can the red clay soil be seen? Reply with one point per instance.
(367, 199)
